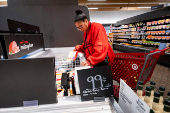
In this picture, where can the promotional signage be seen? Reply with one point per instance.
(129, 101)
(157, 7)
(20, 45)
(95, 82)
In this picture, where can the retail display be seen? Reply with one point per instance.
(161, 90)
(152, 84)
(147, 97)
(166, 106)
(67, 64)
(140, 90)
(154, 102)
(155, 105)
(144, 34)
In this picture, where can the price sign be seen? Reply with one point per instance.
(95, 82)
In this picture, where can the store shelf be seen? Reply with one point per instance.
(135, 39)
(138, 34)
(120, 41)
(129, 38)
(131, 31)
(157, 40)
(118, 32)
(121, 28)
(157, 35)
(120, 38)
(167, 53)
(148, 45)
(157, 24)
(122, 35)
(129, 49)
(156, 29)
(70, 104)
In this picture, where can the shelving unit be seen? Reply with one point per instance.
(145, 36)
(145, 31)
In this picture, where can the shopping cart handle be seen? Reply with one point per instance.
(165, 49)
(162, 51)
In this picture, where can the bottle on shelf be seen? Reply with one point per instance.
(147, 97)
(168, 94)
(152, 84)
(155, 104)
(151, 111)
(161, 91)
(71, 91)
(140, 90)
(166, 106)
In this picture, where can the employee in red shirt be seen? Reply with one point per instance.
(96, 47)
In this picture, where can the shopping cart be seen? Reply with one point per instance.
(135, 67)
(63, 64)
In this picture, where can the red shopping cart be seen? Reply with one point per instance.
(135, 67)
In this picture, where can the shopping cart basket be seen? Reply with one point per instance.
(135, 67)
(61, 62)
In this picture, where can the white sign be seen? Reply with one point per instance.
(129, 101)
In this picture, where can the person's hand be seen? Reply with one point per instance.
(77, 48)
(84, 63)
(74, 50)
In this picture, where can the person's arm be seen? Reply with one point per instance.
(100, 47)
(79, 48)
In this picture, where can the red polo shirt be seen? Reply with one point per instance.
(96, 45)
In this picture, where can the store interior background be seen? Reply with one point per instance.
(59, 31)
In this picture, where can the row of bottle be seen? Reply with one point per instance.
(154, 99)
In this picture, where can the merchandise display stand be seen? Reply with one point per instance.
(70, 104)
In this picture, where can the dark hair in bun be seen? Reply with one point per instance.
(80, 16)
(79, 11)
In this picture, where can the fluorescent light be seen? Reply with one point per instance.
(2, 0)
(96, 0)
(144, 7)
(92, 8)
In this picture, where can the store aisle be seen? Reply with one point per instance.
(161, 75)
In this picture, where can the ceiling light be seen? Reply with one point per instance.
(92, 8)
(96, 0)
(144, 7)
(2, 0)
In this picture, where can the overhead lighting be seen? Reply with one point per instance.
(3, 3)
(144, 7)
(92, 8)
(96, 0)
